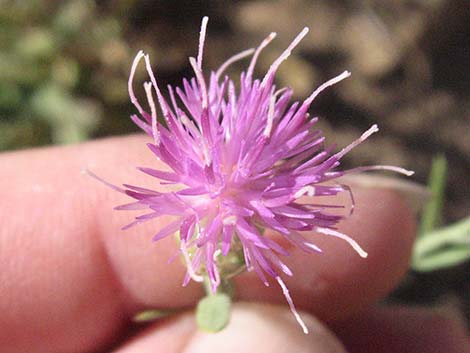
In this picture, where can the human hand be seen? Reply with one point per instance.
(70, 279)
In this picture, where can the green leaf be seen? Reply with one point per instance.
(432, 213)
(71, 119)
(443, 259)
(151, 315)
(10, 95)
(213, 312)
(443, 248)
(72, 16)
(454, 234)
(36, 43)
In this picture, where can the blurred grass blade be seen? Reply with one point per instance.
(443, 248)
(151, 315)
(443, 259)
(432, 213)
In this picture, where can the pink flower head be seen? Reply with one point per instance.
(241, 160)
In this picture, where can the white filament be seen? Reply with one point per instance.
(373, 129)
(327, 84)
(312, 246)
(201, 81)
(351, 241)
(206, 157)
(272, 105)
(202, 38)
(263, 45)
(285, 291)
(161, 100)
(275, 65)
(189, 265)
(153, 111)
(381, 167)
(306, 190)
(269, 124)
(232, 60)
(132, 96)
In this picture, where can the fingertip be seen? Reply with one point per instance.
(140, 265)
(252, 328)
(169, 335)
(339, 282)
(265, 328)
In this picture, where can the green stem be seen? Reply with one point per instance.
(432, 213)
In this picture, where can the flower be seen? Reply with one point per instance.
(240, 160)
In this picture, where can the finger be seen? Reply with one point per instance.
(68, 269)
(252, 328)
(338, 282)
(332, 285)
(58, 290)
(402, 329)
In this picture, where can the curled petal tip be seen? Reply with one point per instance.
(344, 75)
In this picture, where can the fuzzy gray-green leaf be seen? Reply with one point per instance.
(213, 312)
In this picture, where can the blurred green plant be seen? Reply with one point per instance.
(445, 247)
(152, 315)
(60, 63)
(432, 211)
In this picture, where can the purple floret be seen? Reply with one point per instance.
(241, 160)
